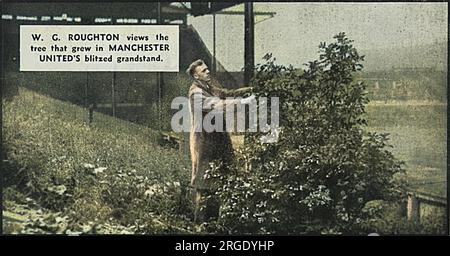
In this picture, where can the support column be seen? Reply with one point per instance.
(113, 85)
(214, 63)
(249, 39)
(413, 208)
(113, 94)
(159, 75)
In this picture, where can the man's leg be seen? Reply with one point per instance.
(199, 204)
(206, 206)
(212, 207)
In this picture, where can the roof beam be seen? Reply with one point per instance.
(271, 14)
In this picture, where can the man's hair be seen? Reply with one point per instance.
(191, 69)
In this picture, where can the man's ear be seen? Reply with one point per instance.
(195, 76)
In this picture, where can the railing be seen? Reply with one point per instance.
(415, 199)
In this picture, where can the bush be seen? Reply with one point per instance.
(324, 168)
(383, 218)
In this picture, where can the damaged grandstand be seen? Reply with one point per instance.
(141, 97)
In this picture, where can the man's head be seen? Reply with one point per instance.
(198, 70)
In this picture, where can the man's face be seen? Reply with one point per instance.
(202, 73)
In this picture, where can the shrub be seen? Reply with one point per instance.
(324, 168)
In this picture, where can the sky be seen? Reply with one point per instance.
(294, 33)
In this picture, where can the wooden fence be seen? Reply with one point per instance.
(415, 199)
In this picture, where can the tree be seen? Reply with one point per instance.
(324, 168)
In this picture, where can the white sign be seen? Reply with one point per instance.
(149, 48)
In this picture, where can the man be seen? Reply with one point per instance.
(207, 146)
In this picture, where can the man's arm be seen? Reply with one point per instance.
(207, 103)
(222, 92)
(214, 103)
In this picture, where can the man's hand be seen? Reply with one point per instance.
(243, 90)
(249, 99)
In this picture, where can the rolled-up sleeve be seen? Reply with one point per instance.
(209, 103)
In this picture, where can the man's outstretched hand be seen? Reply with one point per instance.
(248, 99)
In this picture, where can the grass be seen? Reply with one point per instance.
(60, 129)
(418, 137)
(99, 172)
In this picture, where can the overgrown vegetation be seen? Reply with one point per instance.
(325, 168)
(111, 173)
(63, 176)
